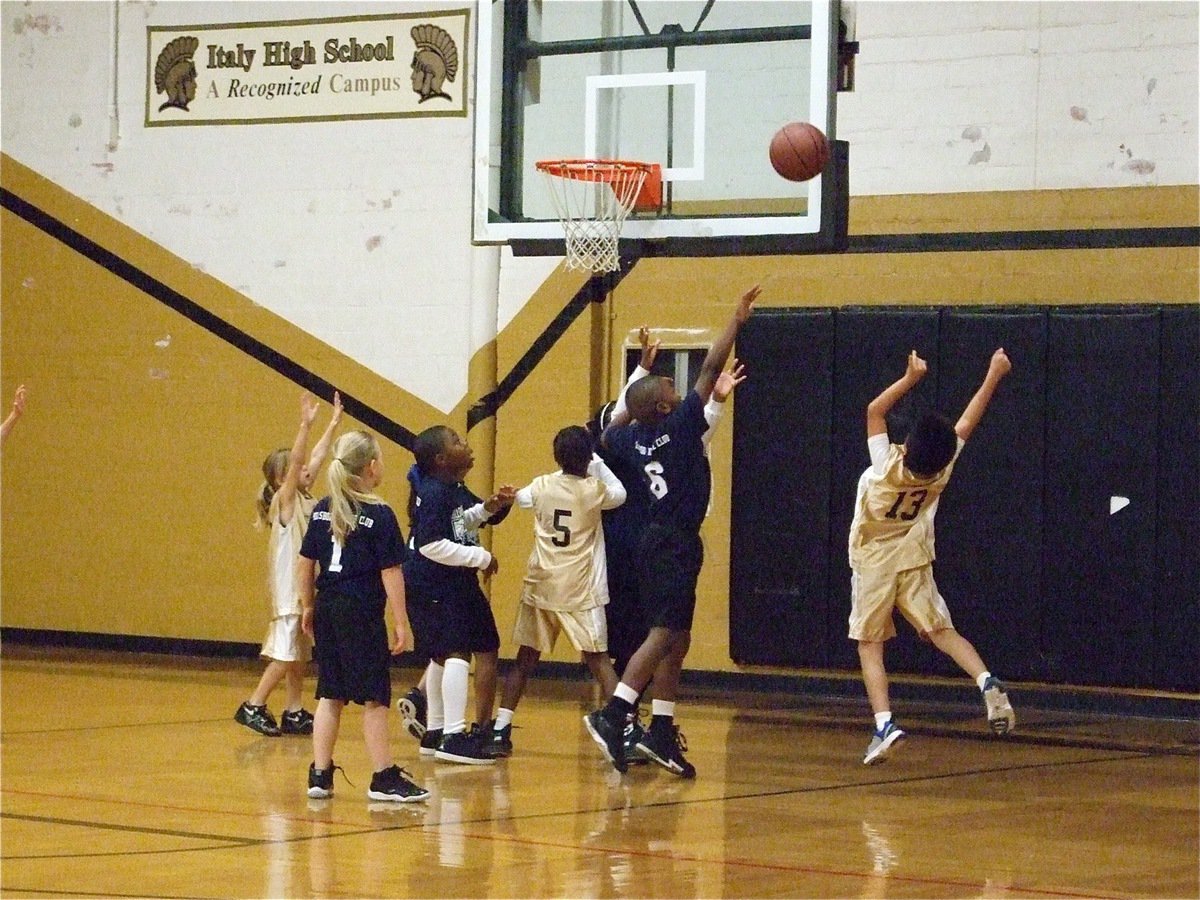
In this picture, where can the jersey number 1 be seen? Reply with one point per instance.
(335, 558)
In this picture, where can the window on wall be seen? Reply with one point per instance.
(680, 363)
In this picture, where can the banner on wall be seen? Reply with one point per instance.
(311, 70)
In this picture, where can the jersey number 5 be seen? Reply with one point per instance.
(658, 484)
(563, 538)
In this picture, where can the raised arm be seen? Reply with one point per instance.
(291, 479)
(878, 408)
(722, 388)
(643, 368)
(18, 408)
(321, 448)
(718, 354)
(997, 369)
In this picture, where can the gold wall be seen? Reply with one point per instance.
(127, 488)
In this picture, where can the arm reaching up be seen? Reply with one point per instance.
(878, 408)
(997, 369)
(718, 354)
(292, 478)
(18, 408)
(321, 448)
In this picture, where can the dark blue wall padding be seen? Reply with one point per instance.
(989, 520)
(780, 493)
(1177, 611)
(1102, 399)
(871, 352)
(1048, 584)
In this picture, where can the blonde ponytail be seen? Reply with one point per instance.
(352, 453)
(274, 468)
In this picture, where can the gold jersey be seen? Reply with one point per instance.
(892, 530)
(282, 553)
(567, 570)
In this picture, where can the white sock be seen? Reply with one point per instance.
(881, 719)
(455, 685)
(504, 718)
(982, 679)
(626, 693)
(435, 709)
(663, 708)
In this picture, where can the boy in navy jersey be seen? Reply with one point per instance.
(450, 615)
(665, 440)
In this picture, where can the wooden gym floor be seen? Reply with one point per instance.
(124, 775)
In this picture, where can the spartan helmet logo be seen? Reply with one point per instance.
(435, 61)
(175, 73)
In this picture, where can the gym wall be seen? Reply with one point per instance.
(233, 266)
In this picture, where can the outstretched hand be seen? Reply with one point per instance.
(1000, 364)
(727, 381)
(505, 497)
(746, 303)
(337, 408)
(917, 367)
(649, 350)
(308, 408)
(18, 406)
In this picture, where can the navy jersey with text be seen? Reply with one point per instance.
(440, 509)
(352, 569)
(671, 459)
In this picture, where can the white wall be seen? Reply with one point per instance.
(977, 96)
(359, 232)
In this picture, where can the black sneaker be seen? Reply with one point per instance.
(665, 745)
(430, 741)
(462, 748)
(320, 781)
(610, 738)
(634, 734)
(412, 708)
(392, 784)
(257, 718)
(296, 721)
(498, 742)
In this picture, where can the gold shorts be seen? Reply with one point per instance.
(539, 628)
(873, 596)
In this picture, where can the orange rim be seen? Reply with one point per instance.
(608, 170)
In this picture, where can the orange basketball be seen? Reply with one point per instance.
(799, 151)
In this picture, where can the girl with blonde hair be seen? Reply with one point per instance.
(350, 579)
(284, 506)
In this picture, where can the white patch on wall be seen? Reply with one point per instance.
(387, 284)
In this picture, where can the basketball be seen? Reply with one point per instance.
(799, 151)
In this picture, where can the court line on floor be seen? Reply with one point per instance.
(354, 830)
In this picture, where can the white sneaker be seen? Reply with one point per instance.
(882, 742)
(1001, 718)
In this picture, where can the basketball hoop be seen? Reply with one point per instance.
(592, 198)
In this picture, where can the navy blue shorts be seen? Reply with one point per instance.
(351, 650)
(669, 563)
(451, 622)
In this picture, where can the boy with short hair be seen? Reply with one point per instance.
(892, 547)
(566, 582)
(663, 435)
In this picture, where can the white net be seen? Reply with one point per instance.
(593, 198)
